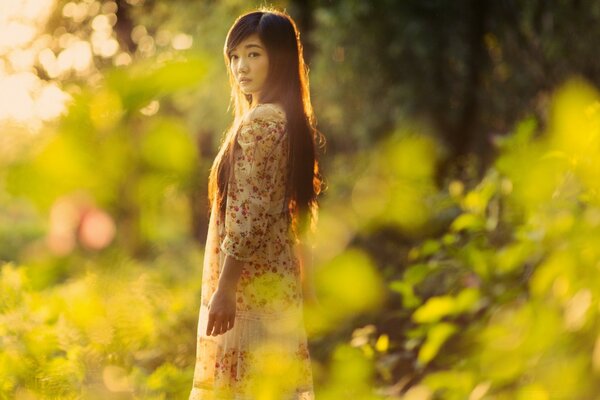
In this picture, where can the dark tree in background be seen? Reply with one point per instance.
(470, 68)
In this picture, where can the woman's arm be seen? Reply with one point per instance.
(222, 305)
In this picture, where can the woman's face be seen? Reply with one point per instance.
(249, 64)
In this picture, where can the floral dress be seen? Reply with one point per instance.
(265, 353)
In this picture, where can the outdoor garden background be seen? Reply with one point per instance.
(457, 248)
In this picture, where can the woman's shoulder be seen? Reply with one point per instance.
(267, 112)
(265, 122)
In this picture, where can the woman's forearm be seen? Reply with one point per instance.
(230, 275)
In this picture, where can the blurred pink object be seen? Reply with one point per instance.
(74, 218)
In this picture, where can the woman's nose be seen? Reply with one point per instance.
(242, 65)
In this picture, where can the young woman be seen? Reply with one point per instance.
(263, 188)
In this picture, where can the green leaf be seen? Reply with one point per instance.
(383, 343)
(436, 337)
(469, 222)
(409, 300)
(416, 273)
(467, 299)
(434, 309)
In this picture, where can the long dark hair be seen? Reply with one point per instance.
(286, 84)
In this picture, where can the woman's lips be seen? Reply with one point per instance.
(243, 81)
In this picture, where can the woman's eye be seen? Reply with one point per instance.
(254, 54)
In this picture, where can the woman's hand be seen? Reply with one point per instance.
(222, 305)
(221, 311)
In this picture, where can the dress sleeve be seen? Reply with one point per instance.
(250, 196)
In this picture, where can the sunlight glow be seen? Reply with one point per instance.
(15, 34)
(19, 103)
(76, 11)
(182, 41)
(50, 102)
(25, 99)
(77, 56)
(18, 20)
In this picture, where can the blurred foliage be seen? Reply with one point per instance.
(432, 285)
(518, 319)
(470, 69)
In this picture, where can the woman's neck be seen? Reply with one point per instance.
(255, 100)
